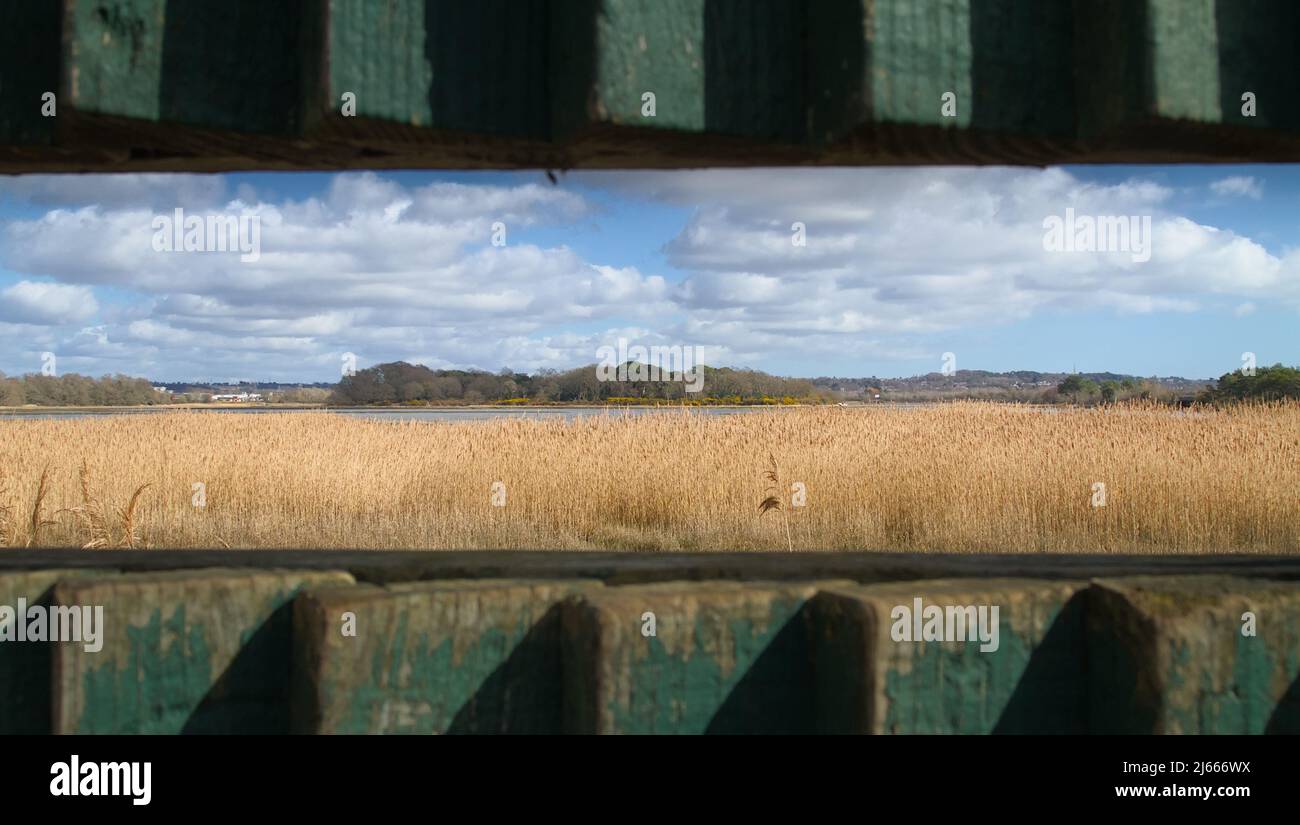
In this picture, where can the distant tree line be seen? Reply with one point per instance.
(72, 390)
(301, 395)
(1267, 384)
(1081, 389)
(403, 383)
(400, 382)
(1019, 386)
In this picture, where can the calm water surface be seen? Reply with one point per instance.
(441, 415)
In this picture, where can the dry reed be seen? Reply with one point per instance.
(959, 477)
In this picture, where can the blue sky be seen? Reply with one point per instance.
(896, 267)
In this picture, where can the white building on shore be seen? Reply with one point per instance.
(239, 397)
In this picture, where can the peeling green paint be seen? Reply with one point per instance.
(433, 657)
(25, 688)
(222, 651)
(954, 688)
(918, 52)
(186, 652)
(240, 64)
(158, 686)
(446, 65)
(834, 81)
(1201, 674)
(1033, 683)
(424, 689)
(688, 692)
(726, 658)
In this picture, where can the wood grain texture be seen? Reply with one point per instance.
(1034, 682)
(723, 658)
(1168, 655)
(25, 667)
(387, 566)
(460, 656)
(172, 85)
(525, 647)
(182, 652)
(29, 67)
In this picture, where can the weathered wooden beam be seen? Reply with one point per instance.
(1194, 655)
(154, 84)
(692, 67)
(714, 657)
(415, 70)
(191, 85)
(460, 656)
(1171, 80)
(952, 80)
(1028, 677)
(25, 667)
(259, 650)
(29, 70)
(385, 566)
(199, 652)
(224, 66)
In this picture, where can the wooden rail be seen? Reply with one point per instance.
(431, 642)
(248, 84)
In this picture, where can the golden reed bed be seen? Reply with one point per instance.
(959, 477)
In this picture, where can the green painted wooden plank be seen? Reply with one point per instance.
(1154, 61)
(754, 69)
(1168, 655)
(25, 666)
(726, 67)
(29, 67)
(236, 65)
(440, 63)
(1008, 64)
(1022, 68)
(376, 52)
(915, 53)
(1256, 45)
(431, 657)
(724, 658)
(1115, 80)
(869, 682)
(607, 54)
(114, 56)
(1183, 57)
(443, 83)
(183, 652)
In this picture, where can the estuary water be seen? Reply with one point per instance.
(433, 415)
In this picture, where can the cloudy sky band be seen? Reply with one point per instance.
(899, 266)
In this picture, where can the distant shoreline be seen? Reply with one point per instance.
(35, 410)
(400, 409)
